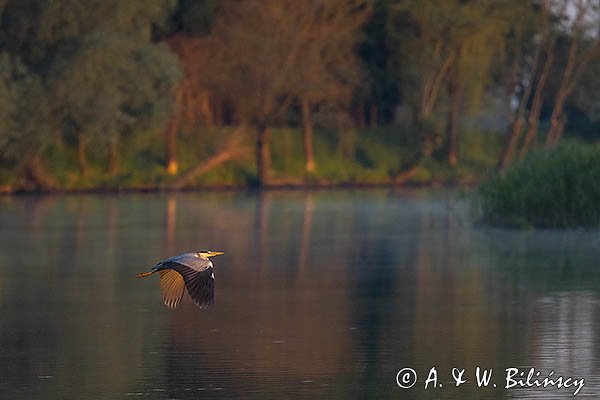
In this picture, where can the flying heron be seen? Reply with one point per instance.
(192, 270)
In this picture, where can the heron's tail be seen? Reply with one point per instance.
(144, 274)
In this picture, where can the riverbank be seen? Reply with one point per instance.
(234, 188)
(385, 157)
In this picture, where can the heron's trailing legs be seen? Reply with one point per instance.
(144, 274)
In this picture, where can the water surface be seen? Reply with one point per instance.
(319, 295)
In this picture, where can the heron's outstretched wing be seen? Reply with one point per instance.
(200, 285)
(171, 287)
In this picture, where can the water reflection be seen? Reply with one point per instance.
(564, 336)
(320, 294)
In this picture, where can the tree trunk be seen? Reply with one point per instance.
(39, 175)
(207, 165)
(218, 110)
(567, 84)
(455, 93)
(373, 116)
(360, 116)
(58, 140)
(429, 98)
(433, 84)
(81, 147)
(536, 105)
(570, 75)
(263, 154)
(518, 124)
(172, 165)
(113, 164)
(174, 124)
(557, 127)
(232, 149)
(307, 131)
(557, 119)
(206, 109)
(557, 124)
(511, 144)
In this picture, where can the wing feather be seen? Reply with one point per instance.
(200, 285)
(171, 287)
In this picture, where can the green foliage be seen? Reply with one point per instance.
(95, 62)
(37, 29)
(270, 54)
(378, 50)
(550, 188)
(380, 156)
(24, 113)
(466, 37)
(109, 86)
(195, 17)
(92, 72)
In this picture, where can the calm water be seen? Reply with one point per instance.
(319, 295)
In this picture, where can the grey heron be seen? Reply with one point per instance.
(194, 271)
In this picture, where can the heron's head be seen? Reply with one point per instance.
(205, 254)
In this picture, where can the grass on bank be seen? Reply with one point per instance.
(549, 188)
(354, 157)
(375, 156)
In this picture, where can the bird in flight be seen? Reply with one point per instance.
(194, 271)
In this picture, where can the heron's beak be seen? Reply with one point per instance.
(215, 253)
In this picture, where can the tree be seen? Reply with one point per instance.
(584, 33)
(583, 105)
(452, 45)
(24, 135)
(196, 94)
(105, 75)
(535, 109)
(329, 69)
(36, 30)
(567, 27)
(531, 42)
(262, 62)
(195, 18)
(108, 86)
(378, 49)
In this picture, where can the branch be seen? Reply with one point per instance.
(232, 150)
